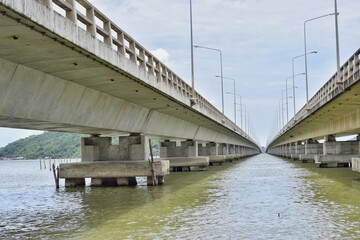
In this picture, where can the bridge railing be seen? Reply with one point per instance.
(349, 73)
(86, 16)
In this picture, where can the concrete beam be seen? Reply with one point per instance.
(112, 169)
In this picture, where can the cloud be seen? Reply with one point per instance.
(162, 55)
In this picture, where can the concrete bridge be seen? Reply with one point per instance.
(64, 66)
(310, 136)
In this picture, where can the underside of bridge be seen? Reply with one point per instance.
(55, 76)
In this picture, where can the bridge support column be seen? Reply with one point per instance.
(291, 149)
(211, 150)
(299, 149)
(100, 149)
(312, 148)
(337, 154)
(74, 182)
(184, 157)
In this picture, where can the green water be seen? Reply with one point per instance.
(262, 197)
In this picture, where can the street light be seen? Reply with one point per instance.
(293, 80)
(282, 102)
(337, 38)
(293, 87)
(192, 99)
(222, 80)
(306, 74)
(235, 105)
(233, 94)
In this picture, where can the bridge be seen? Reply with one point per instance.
(310, 136)
(66, 67)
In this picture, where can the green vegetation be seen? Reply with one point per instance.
(53, 145)
(48, 144)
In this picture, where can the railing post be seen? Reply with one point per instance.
(90, 13)
(120, 38)
(132, 48)
(47, 3)
(108, 38)
(72, 13)
(142, 56)
(150, 64)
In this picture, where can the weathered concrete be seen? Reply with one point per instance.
(295, 156)
(102, 149)
(180, 164)
(216, 159)
(333, 160)
(355, 163)
(86, 85)
(110, 172)
(185, 149)
(307, 158)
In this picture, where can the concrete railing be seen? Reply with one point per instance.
(348, 75)
(87, 17)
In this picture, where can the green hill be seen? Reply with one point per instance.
(48, 144)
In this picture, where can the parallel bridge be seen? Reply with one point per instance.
(79, 72)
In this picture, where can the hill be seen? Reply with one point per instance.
(48, 144)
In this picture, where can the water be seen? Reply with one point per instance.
(262, 197)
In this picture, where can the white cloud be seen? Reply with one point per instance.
(162, 55)
(258, 39)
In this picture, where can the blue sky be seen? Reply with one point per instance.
(258, 39)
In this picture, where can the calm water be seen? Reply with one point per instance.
(262, 197)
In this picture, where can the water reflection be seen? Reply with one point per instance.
(263, 197)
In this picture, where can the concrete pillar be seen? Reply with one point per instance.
(299, 149)
(208, 149)
(187, 148)
(74, 182)
(97, 148)
(313, 148)
(292, 149)
(337, 154)
(222, 150)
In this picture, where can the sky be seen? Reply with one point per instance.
(258, 39)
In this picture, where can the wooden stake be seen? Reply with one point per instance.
(56, 175)
(152, 164)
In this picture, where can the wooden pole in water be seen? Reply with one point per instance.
(56, 175)
(152, 164)
(40, 164)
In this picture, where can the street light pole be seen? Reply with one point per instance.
(293, 87)
(337, 38)
(293, 72)
(222, 78)
(192, 57)
(306, 74)
(233, 94)
(236, 104)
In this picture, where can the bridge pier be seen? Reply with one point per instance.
(299, 149)
(337, 154)
(211, 150)
(355, 163)
(99, 156)
(312, 148)
(184, 157)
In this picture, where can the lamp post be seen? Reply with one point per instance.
(193, 100)
(293, 70)
(306, 74)
(293, 87)
(337, 38)
(233, 94)
(222, 78)
(235, 106)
